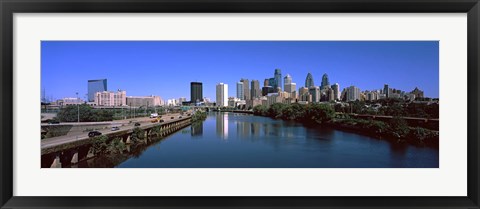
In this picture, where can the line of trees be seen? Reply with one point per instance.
(313, 114)
(310, 114)
(391, 107)
(87, 114)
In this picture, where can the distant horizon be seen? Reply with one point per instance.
(166, 68)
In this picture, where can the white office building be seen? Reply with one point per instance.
(222, 95)
(353, 93)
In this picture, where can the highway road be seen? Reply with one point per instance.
(72, 137)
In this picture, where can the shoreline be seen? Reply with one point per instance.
(432, 142)
(431, 137)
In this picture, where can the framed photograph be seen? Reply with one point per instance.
(239, 104)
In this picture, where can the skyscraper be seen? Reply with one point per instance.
(246, 89)
(272, 83)
(278, 79)
(255, 90)
(266, 90)
(331, 94)
(386, 90)
(325, 82)
(309, 81)
(353, 93)
(240, 90)
(196, 92)
(287, 79)
(222, 95)
(95, 86)
(315, 92)
(336, 91)
(266, 82)
(289, 86)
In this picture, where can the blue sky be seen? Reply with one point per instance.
(166, 68)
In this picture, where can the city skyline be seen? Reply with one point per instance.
(403, 65)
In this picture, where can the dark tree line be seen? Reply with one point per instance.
(391, 107)
(87, 114)
(313, 114)
(310, 114)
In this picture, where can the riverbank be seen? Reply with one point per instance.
(396, 129)
(399, 134)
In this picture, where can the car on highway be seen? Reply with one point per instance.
(161, 121)
(172, 117)
(54, 122)
(115, 128)
(180, 117)
(94, 133)
(137, 124)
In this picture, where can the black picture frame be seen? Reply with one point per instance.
(9, 7)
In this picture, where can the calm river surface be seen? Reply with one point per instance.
(235, 140)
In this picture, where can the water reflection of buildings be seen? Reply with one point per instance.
(248, 129)
(196, 129)
(243, 129)
(222, 125)
(255, 127)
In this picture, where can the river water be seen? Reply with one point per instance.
(236, 140)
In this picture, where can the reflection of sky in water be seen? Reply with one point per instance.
(238, 140)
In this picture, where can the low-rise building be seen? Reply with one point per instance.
(72, 101)
(146, 101)
(110, 98)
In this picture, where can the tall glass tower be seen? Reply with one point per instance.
(196, 92)
(278, 79)
(287, 79)
(240, 90)
(95, 86)
(386, 90)
(271, 82)
(309, 81)
(325, 82)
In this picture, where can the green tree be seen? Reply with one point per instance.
(199, 116)
(116, 146)
(70, 113)
(318, 113)
(399, 127)
(138, 134)
(100, 144)
(260, 110)
(340, 108)
(275, 110)
(293, 112)
(357, 106)
(395, 109)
